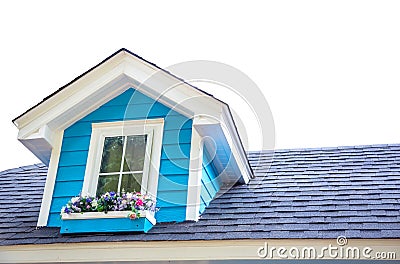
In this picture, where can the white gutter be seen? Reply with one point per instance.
(184, 250)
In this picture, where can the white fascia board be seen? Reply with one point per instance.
(66, 92)
(236, 146)
(73, 104)
(106, 82)
(151, 251)
(109, 80)
(59, 118)
(170, 91)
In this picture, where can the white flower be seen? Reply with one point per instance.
(75, 199)
(94, 203)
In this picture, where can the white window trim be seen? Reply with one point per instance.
(152, 127)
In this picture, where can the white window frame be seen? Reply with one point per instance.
(153, 128)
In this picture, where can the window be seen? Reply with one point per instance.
(124, 157)
(122, 164)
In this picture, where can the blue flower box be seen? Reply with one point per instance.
(100, 222)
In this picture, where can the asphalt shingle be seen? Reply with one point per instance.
(301, 193)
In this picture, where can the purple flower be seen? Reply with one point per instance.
(110, 202)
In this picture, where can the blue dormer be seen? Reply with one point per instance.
(128, 130)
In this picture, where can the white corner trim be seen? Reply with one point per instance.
(50, 180)
(108, 215)
(155, 156)
(195, 175)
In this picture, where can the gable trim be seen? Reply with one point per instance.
(115, 54)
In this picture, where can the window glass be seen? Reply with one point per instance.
(112, 154)
(116, 176)
(107, 183)
(131, 182)
(135, 153)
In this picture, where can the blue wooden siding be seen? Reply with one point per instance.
(173, 179)
(105, 225)
(210, 185)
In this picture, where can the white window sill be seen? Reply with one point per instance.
(108, 215)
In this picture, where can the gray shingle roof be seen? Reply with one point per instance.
(302, 193)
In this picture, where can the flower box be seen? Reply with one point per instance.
(109, 212)
(100, 222)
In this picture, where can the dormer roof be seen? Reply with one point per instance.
(124, 69)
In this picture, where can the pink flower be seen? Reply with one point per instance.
(132, 216)
(139, 202)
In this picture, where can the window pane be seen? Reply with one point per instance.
(131, 182)
(112, 154)
(135, 153)
(107, 183)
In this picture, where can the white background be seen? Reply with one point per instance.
(330, 70)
